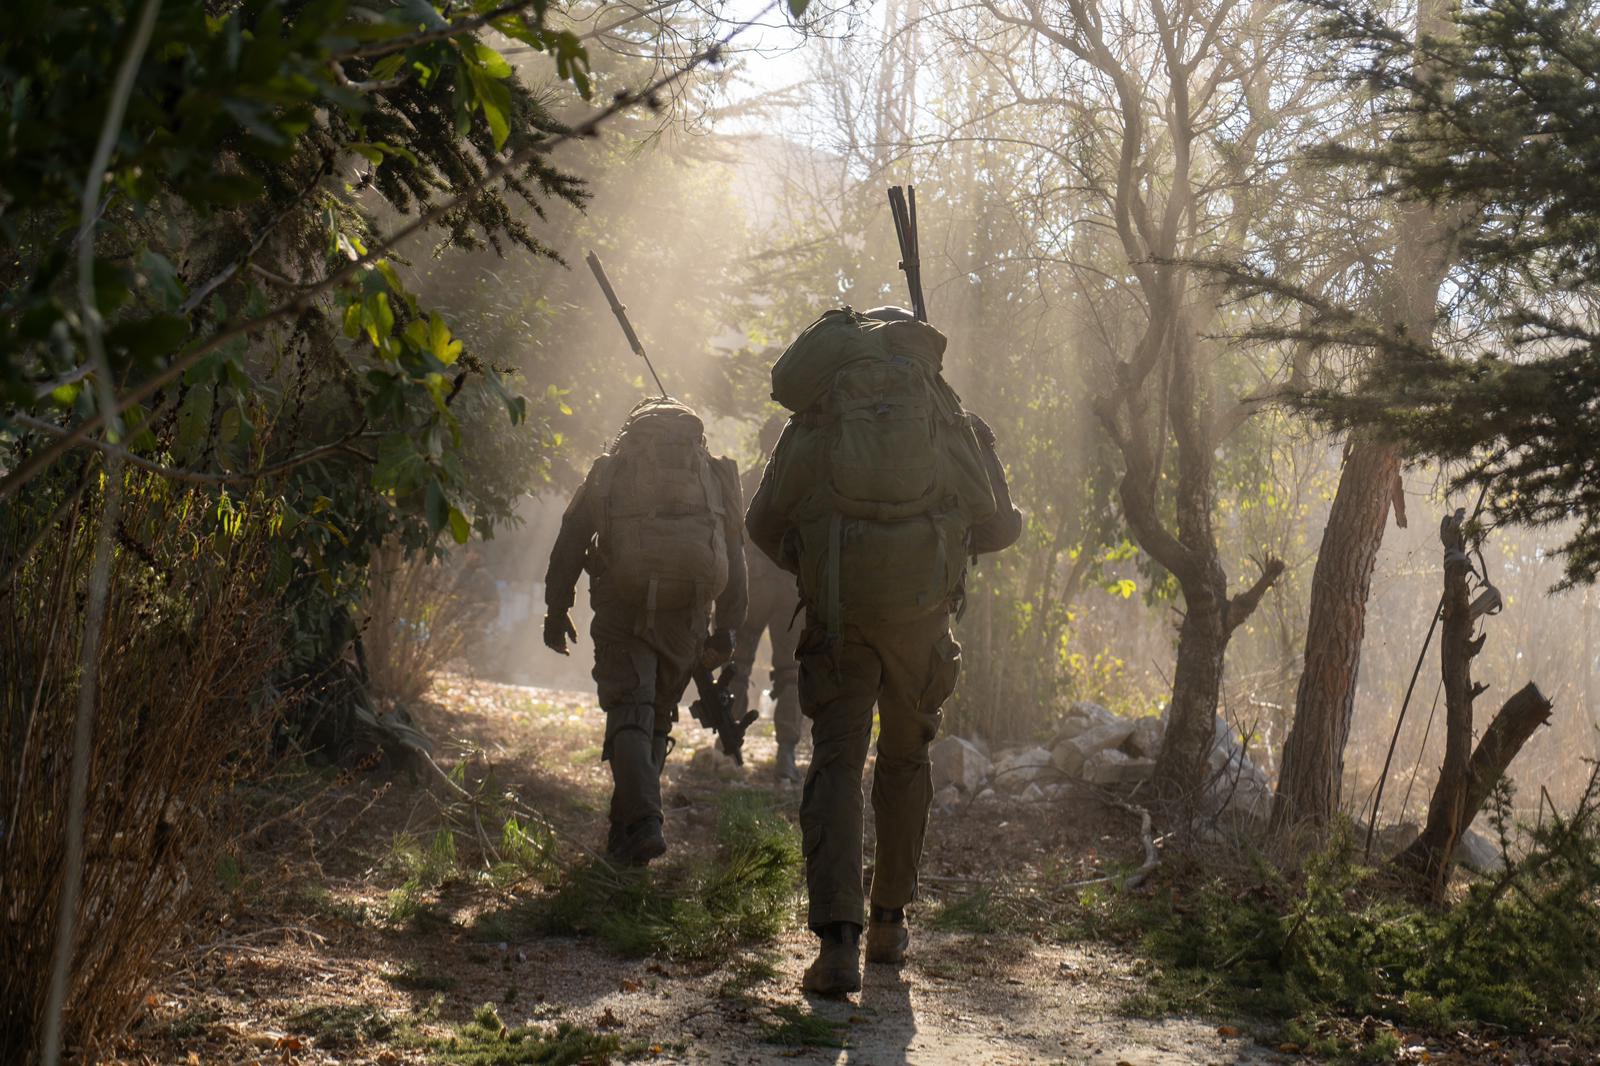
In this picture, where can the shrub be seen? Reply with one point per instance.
(183, 657)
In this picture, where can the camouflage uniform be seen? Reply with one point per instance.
(643, 657)
(907, 670)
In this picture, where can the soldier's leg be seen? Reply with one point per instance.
(921, 661)
(786, 716)
(745, 643)
(625, 673)
(837, 692)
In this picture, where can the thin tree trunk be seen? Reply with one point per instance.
(1313, 754)
(1513, 725)
(1430, 854)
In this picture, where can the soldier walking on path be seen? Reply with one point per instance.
(656, 524)
(880, 490)
(773, 610)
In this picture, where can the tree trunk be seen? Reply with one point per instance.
(1448, 815)
(1313, 758)
(1313, 755)
(1196, 684)
(1513, 724)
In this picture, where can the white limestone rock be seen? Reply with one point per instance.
(959, 763)
(1071, 754)
(1145, 740)
(1022, 768)
(1112, 767)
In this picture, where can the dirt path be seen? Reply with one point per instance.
(323, 957)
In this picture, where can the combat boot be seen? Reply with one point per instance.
(639, 843)
(785, 768)
(837, 969)
(887, 935)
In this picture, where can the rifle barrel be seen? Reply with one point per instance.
(621, 311)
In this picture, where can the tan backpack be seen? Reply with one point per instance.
(662, 516)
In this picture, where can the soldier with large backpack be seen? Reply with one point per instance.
(880, 490)
(656, 524)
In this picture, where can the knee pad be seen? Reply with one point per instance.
(629, 716)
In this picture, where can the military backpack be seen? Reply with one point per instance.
(878, 471)
(662, 514)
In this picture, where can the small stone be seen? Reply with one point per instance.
(947, 798)
(1478, 853)
(1018, 770)
(1071, 755)
(987, 797)
(1112, 767)
(710, 761)
(1145, 740)
(1032, 794)
(1093, 711)
(957, 762)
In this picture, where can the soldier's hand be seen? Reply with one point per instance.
(558, 629)
(718, 649)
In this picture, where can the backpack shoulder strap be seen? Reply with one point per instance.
(604, 472)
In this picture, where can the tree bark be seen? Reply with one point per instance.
(1513, 725)
(1448, 815)
(1313, 755)
(1313, 759)
(1196, 684)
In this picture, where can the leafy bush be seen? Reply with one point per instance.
(1520, 952)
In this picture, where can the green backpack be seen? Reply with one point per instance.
(879, 470)
(662, 533)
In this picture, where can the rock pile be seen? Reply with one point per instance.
(1094, 746)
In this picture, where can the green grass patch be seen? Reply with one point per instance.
(696, 909)
(796, 1027)
(343, 1025)
(1519, 954)
(488, 1041)
(981, 912)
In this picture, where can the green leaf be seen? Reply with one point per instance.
(435, 506)
(440, 343)
(494, 64)
(460, 527)
(797, 8)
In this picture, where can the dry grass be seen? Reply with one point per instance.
(184, 654)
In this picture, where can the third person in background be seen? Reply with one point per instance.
(773, 610)
(879, 491)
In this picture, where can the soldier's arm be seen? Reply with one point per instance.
(571, 550)
(765, 524)
(735, 597)
(1005, 526)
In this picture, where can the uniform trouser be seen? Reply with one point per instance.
(642, 665)
(908, 670)
(772, 610)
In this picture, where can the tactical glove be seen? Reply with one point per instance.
(718, 649)
(558, 629)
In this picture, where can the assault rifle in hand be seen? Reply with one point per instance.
(714, 710)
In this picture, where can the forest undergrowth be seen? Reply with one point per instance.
(470, 923)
